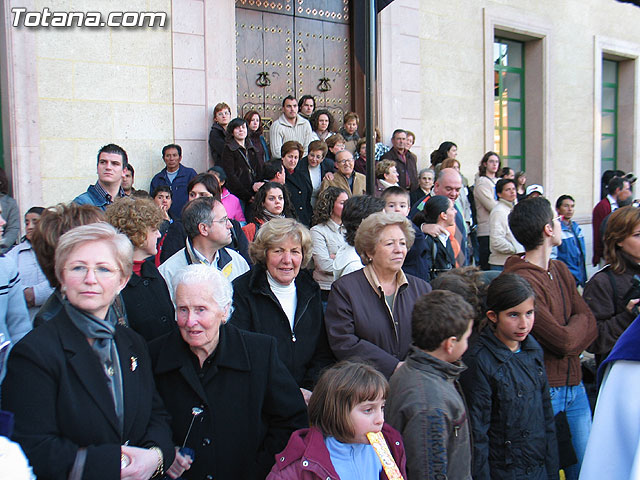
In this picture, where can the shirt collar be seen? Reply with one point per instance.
(103, 193)
(372, 278)
(443, 237)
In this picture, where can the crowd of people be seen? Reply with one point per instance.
(255, 320)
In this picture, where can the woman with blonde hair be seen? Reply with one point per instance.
(146, 296)
(278, 297)
(90, 408)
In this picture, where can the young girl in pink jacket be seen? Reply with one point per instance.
(346, 412)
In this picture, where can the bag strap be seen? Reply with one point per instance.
(612, 281)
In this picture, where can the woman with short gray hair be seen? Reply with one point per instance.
(369, 311)
(244, 399)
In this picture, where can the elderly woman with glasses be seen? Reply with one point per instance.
(89, 408)
(246, 402)
(278, 297)
(369, 310)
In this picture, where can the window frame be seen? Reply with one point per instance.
(499, 108)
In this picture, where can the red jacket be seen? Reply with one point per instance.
(306, 457)
(600, 211)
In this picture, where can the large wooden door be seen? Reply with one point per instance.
(293, 47)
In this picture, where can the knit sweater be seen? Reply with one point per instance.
(564, 325)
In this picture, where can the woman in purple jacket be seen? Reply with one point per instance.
(369, 311)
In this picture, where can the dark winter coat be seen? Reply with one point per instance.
(443, 260)
(66, 403)
(415, 263)
(217, 136)
(426, 405)
(179, 193)
(148, 303)
(604, 293)
(565, 325)
(307, 457)
(407, 170)
(300, 190)
(512, 420)
(361, 325)
(251, 404)
(242, 168)
(305, 351)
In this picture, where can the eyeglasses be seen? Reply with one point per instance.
(102, 272)
(345, 161)
(222, 221)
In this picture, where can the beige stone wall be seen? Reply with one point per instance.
(454, 68)
(72, 90)
(91, 86)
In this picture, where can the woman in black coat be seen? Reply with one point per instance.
(240, 162)
(439, 256)
(305, 181)
(81, 386)
(146, 297)
(277, 298)
(246, 403)
(217, 134)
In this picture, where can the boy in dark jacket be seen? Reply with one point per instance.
(424, 401)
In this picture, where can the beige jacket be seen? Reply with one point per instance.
(340, 181)
(484, 193)
(501, 241)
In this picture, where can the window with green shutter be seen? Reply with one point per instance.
(509, 101)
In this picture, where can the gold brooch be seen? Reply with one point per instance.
(134, 364)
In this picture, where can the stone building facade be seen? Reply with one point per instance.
(67, 91)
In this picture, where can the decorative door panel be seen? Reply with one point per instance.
(337, 68)
(329, 10)
(293, 48)
(264, 61)
(309, 57)
(284, 7)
